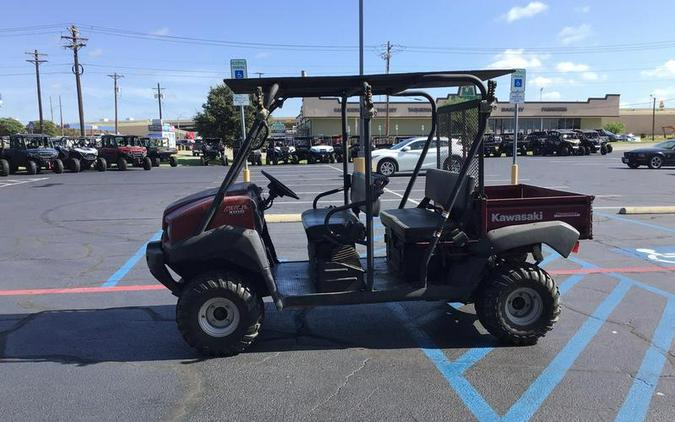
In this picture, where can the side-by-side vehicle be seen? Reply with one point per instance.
(464, 242)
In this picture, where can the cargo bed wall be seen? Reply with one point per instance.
(521, 204)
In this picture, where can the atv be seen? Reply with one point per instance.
(212, 149)
(562, 142)
(278, 151)
(122, 150)
(33, 152)
(159, 150)
(594, 141)
(75, 154)
(321, 153)
(465, 242)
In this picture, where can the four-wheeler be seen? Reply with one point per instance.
(492, 145)
(278, 151)
(655, 157)
(464, 242)
(211, 149)
(593, 141)
(159, 150)
(403, 156)
(536, 141)
(122, 150)
(75, 154)
(507, 144)
(33, 152)
(562, 142)
(321, 153)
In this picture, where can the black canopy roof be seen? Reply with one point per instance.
(320, 86)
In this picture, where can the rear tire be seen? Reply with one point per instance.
(4, 167)
(75, 165)
(147, 163)
(155, 162)
(31, 167)
(121, 164)
(219, 314)
(518, 303)
(387, 167)
(610, 148)
(57, 167)
(603, 149)
(565, 150)
(101, 164)
(172, 161)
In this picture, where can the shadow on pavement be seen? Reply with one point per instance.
(134, 334)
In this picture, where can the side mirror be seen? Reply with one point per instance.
(405, 149)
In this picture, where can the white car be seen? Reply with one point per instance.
(403, 156)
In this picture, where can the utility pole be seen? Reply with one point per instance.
(653, 117)
(37, 61)
(61, 115)
(386, 55)
(159, 95)
(75, 42)
(51, 109)
(259, 74)
(115, 76)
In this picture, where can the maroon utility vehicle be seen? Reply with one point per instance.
(122, 150)
(464, 242)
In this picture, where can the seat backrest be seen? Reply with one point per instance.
(440, 184)
(357, 192)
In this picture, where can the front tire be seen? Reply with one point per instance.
(4, 167)
(156, 162)
(121, 164)
(603, 150)
(219, 314)
(147, 163)
(172, 161)
(610, 148)
(57, 166)
(387, 167)
(31, 167)
(75, 165)
(518, 303)
(655, 162)
(101, 164)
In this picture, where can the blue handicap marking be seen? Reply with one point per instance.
(664, 255)
(518, 83)
(238, 74)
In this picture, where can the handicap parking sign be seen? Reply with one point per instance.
(518, 83)
(238, 74)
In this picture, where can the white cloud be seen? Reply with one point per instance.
(665, 70)
(161, 31)
(571, 67)
(262, 55)
(541, 82)
(571, 34)
(550, 95)
(519, 12)
(582, 9)
(97, 52)
(590, 76)
(516, 59)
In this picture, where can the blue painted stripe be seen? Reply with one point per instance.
(638, 222)
(636, 404)
(549, 258)
(541, 388)
(127, 266)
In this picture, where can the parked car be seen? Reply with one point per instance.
(611, 136)
(403, 156)
(33, 152)
(629, 137)
(159, 150)
(656, 156)
(562, 142)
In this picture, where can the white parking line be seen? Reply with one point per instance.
(13, 182)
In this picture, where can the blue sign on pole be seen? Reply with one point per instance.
(238, 74)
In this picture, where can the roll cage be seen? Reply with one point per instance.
(270, 94)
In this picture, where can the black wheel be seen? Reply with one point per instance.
(587, 150)
(74, 165)
(633, 165)
(57, 166)
(147, 164)
(155, 162)
(603, 149)
(518, 303)
(387, 167)
(219, 314)
(203, 162)
(453, 164)
(4, 167)
(610, 148)
(565, 150)
(310, 160)
(101, 164)
(655, 162)
(121, 164)
(32, 167)
(173, 162)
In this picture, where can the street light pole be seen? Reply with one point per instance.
(653, 116)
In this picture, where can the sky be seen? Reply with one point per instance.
(573, 49)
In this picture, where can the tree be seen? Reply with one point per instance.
(615, 127)
(9, 126)
(219, 118)
(49, 128)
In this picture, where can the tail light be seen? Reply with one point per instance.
(575, 249)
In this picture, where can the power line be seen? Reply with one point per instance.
(37, 61)
(75, 42)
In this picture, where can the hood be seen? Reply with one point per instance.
(321, 148)
(384, 152)
(644, 150)
(86, 150)
(43, 152)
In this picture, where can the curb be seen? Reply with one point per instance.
(648, 210)
(283, 218)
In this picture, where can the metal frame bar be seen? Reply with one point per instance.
(345, 149)
(370, 250)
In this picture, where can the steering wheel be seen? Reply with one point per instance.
(281, 189)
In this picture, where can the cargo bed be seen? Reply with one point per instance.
(520, 204)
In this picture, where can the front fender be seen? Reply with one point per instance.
(560, 236)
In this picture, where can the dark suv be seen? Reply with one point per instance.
(122, 150)
(33, 152)
(536, 141)
(593, 141)
(562, 142)
(492, 145)
(507, 144)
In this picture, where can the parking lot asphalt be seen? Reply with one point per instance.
(86, 332)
